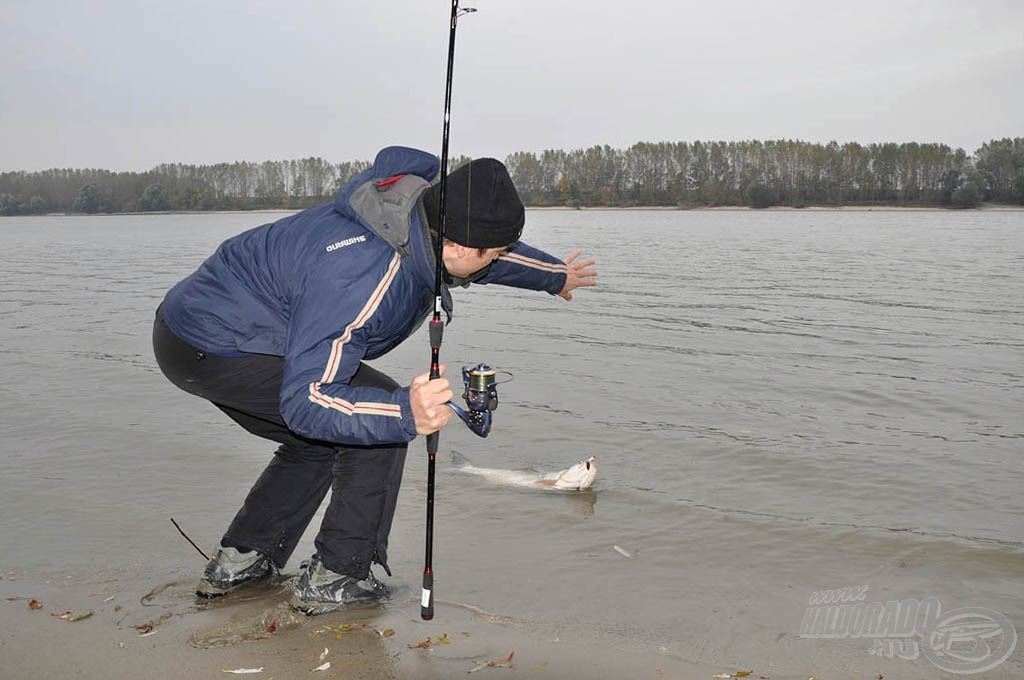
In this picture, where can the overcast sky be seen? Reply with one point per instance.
(128, 85)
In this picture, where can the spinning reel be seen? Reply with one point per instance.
(481, 395)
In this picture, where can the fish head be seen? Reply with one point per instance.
(578, 477)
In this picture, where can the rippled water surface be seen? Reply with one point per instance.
(780, 402)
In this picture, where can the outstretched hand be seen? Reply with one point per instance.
(578, 274)
(429, 402)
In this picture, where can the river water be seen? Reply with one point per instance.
(780, 402)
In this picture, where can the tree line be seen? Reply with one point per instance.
(680, 174)
(176, 186)
(773, 173)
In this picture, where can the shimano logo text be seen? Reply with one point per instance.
(347, 242)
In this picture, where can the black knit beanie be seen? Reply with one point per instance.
(483, 209)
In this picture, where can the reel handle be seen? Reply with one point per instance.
(479, 422)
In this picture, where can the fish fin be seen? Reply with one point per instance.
(549, 483)
(459, 459)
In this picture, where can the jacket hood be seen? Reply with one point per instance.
(385, 200)
(390, 161)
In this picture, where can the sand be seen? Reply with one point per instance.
(167, 634)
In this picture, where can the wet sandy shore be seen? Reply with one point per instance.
(166, 634)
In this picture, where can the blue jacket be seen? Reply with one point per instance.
(333, 285)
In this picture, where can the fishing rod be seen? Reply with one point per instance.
(436, 325)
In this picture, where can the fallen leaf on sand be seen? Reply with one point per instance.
(506, 662)
(622, 551)
(722, 676)
(272, 628)
(742, 674)
(35, 604)
(321, 667)
(242, 671)
(341, 627)
(422, 644)
(152, 632)
(444, 640)
(538, 666)
(71, 616)
(503, 663)
(323, 654)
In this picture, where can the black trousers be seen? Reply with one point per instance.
(363, 480)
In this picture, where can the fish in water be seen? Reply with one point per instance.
(575, 478)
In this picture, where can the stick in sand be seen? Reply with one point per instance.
(205, 556)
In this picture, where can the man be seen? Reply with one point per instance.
(274, 329)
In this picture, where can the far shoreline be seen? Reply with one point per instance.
(993, 207)
(986, 207)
